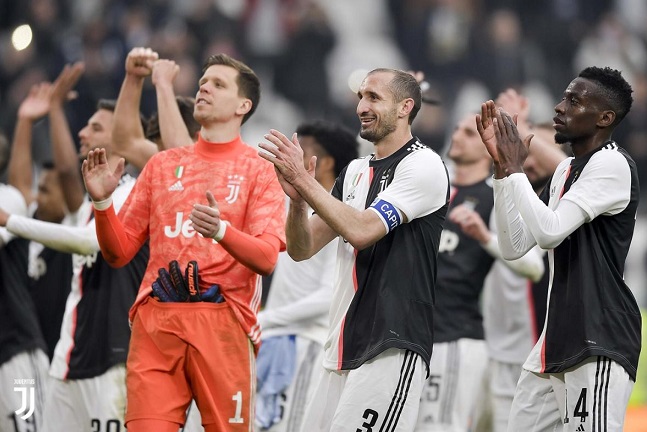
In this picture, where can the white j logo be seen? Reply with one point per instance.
(24, 405)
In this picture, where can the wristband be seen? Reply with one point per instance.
(103, 204)
(221, 231)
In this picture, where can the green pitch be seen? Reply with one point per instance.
(639, 394)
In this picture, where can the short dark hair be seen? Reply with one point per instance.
(107, 104)
(186, 105)
(403, 85)
(613, 87)
(249, 86)
(336, 140)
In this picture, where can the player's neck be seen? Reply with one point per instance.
(113, 160)
(469, 174)
(220, 133)
(392, 143)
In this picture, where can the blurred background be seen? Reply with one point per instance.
(310, 53)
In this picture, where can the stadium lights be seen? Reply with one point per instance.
(21, 37)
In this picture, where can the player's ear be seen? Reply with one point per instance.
(406, 106)
(606, 118)
(244, 107)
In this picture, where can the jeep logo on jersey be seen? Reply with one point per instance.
(448, 241)
(85, 260)
(234, 187)
(182, 226)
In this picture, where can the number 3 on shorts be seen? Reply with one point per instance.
(371, 418)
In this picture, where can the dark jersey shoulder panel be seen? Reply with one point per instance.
(393, 304)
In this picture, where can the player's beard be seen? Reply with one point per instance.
(561, 138)
(381, 128)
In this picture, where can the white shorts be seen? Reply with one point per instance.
(493, 407)
(450, 396)
(382, 394)
(300, 391)
(92, 404)
(24, 382)
(591, 396)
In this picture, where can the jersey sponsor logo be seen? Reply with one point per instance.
(182, 227)
(388, 212)
(26, 388)
(234, 187)
(85, 260)
(448, 241)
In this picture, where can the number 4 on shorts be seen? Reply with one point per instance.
(580, 407)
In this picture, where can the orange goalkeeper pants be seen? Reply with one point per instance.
(184, 351)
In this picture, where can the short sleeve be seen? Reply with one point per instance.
(604, 186)
(420, 185)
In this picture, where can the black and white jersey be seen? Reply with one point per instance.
(463, 265)
(591, 311)
(19, 328)
(383, 296)
(95, 333)
(50, 275)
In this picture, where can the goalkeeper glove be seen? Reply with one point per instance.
(171, 286)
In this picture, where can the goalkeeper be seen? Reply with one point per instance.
(203, 350)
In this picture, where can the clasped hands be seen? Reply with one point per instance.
(499, 133)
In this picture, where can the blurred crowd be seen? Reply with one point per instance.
(307, 52)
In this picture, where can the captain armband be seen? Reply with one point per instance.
(390, 215)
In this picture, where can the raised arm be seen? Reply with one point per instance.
(63, 238)
(66, 159)
(128, 139)
(173, 130)
(20, 170)
(361, 228)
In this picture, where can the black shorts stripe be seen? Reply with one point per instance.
(406, 392)
(400, 395)
(606, 391)
(601, 394)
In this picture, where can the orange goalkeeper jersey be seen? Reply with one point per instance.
(249, 197)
